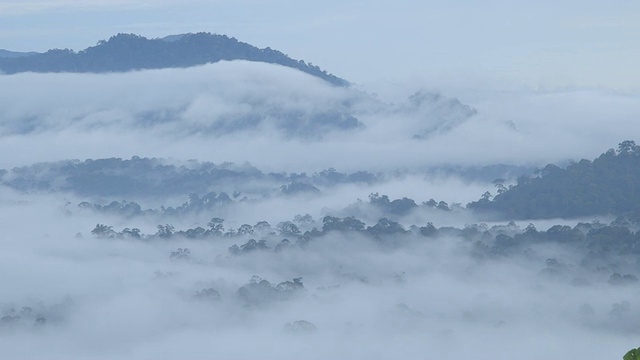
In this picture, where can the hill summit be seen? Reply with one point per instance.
(126, 52)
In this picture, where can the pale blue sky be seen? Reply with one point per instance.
(538, 44)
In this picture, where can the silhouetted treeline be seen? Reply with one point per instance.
(620, 237)
(393, 208)
(609, 184)
(157, 177)
(608, 250)
(125, 52)
(195, 204)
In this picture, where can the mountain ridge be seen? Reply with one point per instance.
(15, 54)
(128, 52)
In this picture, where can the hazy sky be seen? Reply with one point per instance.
(497, 43)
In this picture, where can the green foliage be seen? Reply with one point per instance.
(632, 355)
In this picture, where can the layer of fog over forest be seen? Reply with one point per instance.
(144, 216)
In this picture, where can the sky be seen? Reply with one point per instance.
(543, 45)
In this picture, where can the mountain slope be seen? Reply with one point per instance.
(125, 52)
(607, 185)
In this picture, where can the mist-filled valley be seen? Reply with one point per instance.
(257, 206)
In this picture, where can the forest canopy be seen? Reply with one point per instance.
(608, 185)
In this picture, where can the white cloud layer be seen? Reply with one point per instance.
(280, 119)
(110, 298)
(121, 298)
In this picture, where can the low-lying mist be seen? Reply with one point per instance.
(339, 294)
(243, 210)
(295, 122)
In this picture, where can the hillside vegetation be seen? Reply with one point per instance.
(608, 185)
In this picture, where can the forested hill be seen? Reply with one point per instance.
(13, 54)
(125, 52)
(609, 184)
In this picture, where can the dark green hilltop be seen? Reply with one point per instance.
(608, 185)
(127, 52)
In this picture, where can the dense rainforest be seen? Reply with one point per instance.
(608, 185)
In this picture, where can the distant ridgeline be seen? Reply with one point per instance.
(608, 185)
(158, 177)
(125, 52)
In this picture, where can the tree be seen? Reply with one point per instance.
(285, 243)
(287, 228)
(347, 224)
(376, 199)
(195, 233)
(499, 184)
(165, 231)
(245, 229)
(401, 206)
(103, 231)
(262, 227)
(353, 224)
(431, 203)
(442, 205)
(628, 147)
(386, 227)
(253, 245)
(133, 233)
(216, 225)
(531, 230)
(429, 230)
(633, 354)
